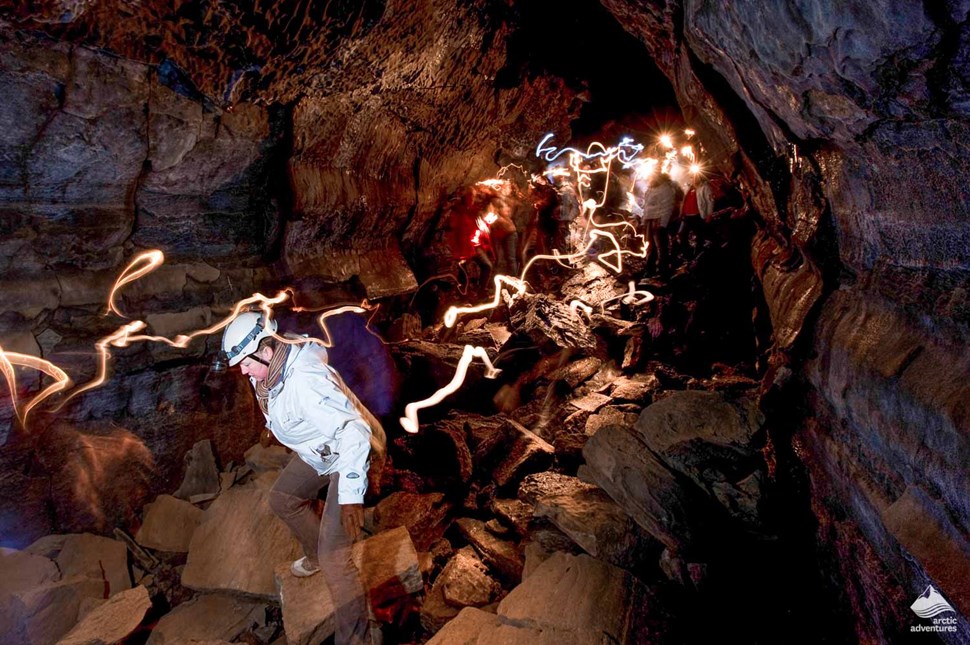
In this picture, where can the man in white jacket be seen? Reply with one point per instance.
(311, 411)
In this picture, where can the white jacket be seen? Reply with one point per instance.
(313, 413)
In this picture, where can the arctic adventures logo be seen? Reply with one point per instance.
(930, 604)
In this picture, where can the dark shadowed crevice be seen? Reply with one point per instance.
(588, 48)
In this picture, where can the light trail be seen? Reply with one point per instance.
(410, 419)
(8, 361)
(142, 264)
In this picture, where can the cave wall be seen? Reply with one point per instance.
(327, 178)
(849, 121)
(845, 124)
(100, 160)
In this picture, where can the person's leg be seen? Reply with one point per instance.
(343, 579)
(291, 498)
(663, 251)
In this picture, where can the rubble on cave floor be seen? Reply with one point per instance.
(595, 487)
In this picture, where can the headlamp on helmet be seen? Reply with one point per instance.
(243, 334)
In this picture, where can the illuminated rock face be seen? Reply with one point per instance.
(851, 122)
(846, 123)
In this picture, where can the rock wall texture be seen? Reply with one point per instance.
(848, 124)
(845, 123)
(311, 149)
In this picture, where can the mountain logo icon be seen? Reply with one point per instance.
(930, 603)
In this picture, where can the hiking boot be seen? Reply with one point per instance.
(303, 568)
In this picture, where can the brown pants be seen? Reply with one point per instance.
(324, 541)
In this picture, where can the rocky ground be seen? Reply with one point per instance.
(608, 485)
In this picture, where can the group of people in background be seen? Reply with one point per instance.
(670, 216)
(501, 224)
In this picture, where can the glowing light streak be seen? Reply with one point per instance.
(695, 168)
(410, 419)
(625, 151)
(10, 359)
(689, 133)
(577, 306)
(632, 297)
(127, 334)
(144, 263)
(666, 141)
(451, 315)
(495, 184)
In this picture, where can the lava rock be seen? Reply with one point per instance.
(169, 524)
(96, 557)
(710, 438)
(389, 571)
(514, 513)
(207, 617)
(43, 614)
(238, 544)
(424, 516)
(501, 556)
(599, 525)
(623, 465)
(465, 581)
(112, 621)
(585, 596)
(529, 453)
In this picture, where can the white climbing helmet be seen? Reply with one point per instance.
(243, 334)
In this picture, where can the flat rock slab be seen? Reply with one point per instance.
(426, 516)
(710, 438)
(636, 389)
(501, 556)
(20, 571)
(599, 525)
(474, 626)
(624, 466)
(96, 557)
(44, 614)
(535, 487)
(262, 459)
(208, 617)
(112, 621)
(529, 453)
(169, 524)
(388, 565)
(591, 402)
(238, 544)
(465, 582)
(514, 513)
(201, 473)
(583, 595)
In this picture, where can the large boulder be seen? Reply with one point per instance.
(207, 617)
(96, 557)
(113, 620)
(711, 438)
(658, 499)
(43, 614)
(425, 516)
(579, 593)
(169, 524)
(599, 525)
(238, 545)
